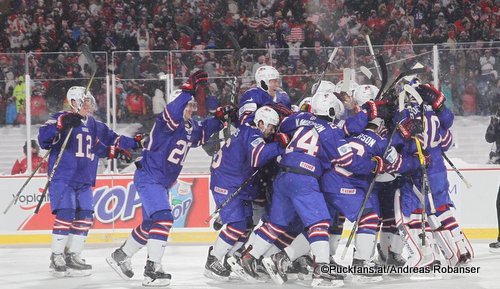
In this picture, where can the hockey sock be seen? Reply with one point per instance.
(60, 229)
(300, 246)
(318, 237)
(79, 231)
(265, 236)
(227, 239)
(158, 234)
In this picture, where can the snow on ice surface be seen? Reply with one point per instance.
(27, 267)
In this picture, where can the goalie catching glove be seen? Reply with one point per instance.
(115, 152)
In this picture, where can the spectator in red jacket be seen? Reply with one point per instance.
(20, 166)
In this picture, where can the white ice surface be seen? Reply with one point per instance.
(27, 267)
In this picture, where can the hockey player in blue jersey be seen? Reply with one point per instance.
(173, 133)
(266, 92)
(235, 162)
(70, 189)
(434, 139)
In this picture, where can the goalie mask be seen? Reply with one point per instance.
(81, 99)
(264, 74)
(327, 104)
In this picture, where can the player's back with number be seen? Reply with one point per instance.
(315, 144)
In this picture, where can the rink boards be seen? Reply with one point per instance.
(118, 208)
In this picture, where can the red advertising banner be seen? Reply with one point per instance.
(117, 204)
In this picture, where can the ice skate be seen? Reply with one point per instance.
(76, 266)
(244, 267)
(322, 278)
(154, 275)
(121, 263)
(58, 265)
(495, 247)
(276, 265)
(215, 269)
(365, 271)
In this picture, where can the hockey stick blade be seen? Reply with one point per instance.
(84, 48)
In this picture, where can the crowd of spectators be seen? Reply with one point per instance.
(233, 38)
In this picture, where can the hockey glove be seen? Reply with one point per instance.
(115, 152)
(409, 127)
(374, 109)
(139, 140)
(282, 139)
(199, 78)
(432, 96)
(282, 110)
(226, 113)
(67, 120)
(379, 165)
(217, 225)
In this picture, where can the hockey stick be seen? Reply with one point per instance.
(232, 196)
(467, 184)
(370, 47)
(365, 200)
(321, 77)
(424, 185)
(90, 59)
(27, 181)
(84, 48)
(383, 68)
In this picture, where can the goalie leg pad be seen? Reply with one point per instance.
(449, 237)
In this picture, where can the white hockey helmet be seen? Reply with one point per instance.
(364, 93)
(176, 92)
(267, 115)
(306, 100)
(77, 93)
(324, 85)
(352, 88)
(264, 74)
(326, 104)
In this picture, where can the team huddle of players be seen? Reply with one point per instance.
(314, 169)
(284, 182)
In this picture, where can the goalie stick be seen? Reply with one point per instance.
(93, 67)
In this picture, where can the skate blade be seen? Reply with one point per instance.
(366, 279)
(211, 275)
(58, 274)
(148, 282)
(78, 273)
(273, 272)
(240, 272)
(319, 283)
(111, 262)
(494, 250)
(422, 277)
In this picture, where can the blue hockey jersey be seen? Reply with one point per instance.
(170, 139)
(242, 153)
(315, 144)
(79, 161)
